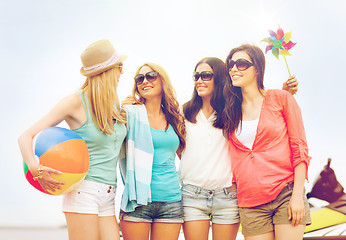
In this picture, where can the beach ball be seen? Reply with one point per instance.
(63, 150)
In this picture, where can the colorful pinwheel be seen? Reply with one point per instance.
(279, 43)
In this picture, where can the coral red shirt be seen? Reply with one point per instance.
(280, 145)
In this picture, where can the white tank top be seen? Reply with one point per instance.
(246, 133)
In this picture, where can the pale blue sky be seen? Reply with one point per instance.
(41, 41)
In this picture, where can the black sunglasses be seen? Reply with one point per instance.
(150, 76)
(242, 64)
(205, 76)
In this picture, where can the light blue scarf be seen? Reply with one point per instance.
(136, 159)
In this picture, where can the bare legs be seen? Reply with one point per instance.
(157, 231)
(264, 236)
(91, 227)
(135, 230)
(282, 232)
(288, 232)
(225, 231)
(107, 230)
(196, 230)
(165, 231)
(199, 230)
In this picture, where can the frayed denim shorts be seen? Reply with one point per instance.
(163, 212)
(218, 205)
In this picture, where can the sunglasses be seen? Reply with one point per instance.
(205, 76)
(242, 64)
(150, 76)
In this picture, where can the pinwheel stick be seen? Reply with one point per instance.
(288, 70)
(287, 66)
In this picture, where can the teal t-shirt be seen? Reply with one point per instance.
(165, 186)
(103, 148)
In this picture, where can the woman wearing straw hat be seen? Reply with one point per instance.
(92, 112)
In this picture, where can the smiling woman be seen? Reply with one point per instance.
(151, 202)
(260, 125)
(205, 168)
(48, 37)
(204, 81)
(147, 85)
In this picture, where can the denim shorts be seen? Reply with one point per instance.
(163, 212)
(219, 205)
(91, 198)
(261, 219)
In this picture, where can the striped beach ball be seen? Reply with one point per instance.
(63, 150)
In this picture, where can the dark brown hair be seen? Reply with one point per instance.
(192, 107)
(232, 114)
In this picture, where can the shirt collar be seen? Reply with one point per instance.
(201, 117)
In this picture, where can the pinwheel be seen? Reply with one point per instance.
(279, 44)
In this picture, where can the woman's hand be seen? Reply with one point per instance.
(129, 100)
(42, 174)
(291, 85)
(296, 209)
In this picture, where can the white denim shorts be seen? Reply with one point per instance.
(219, 205)
(91, 198)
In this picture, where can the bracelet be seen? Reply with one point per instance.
(40, 172)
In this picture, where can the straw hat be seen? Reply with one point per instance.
(99, 57)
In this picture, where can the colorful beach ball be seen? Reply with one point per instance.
(63, 150)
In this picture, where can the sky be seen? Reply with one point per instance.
(41, 42)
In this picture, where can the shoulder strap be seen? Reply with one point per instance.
(85, 103)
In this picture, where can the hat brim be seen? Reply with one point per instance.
(99, 71)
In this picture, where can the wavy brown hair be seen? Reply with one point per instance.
(103, 100)
(232, 114)
(169, 103)
(217, 101)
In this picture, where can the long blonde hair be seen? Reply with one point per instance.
(102, 92)
(169, 103)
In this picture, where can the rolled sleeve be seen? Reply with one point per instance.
(296, 133)
(300, 153)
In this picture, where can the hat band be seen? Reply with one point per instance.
(113, 59)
